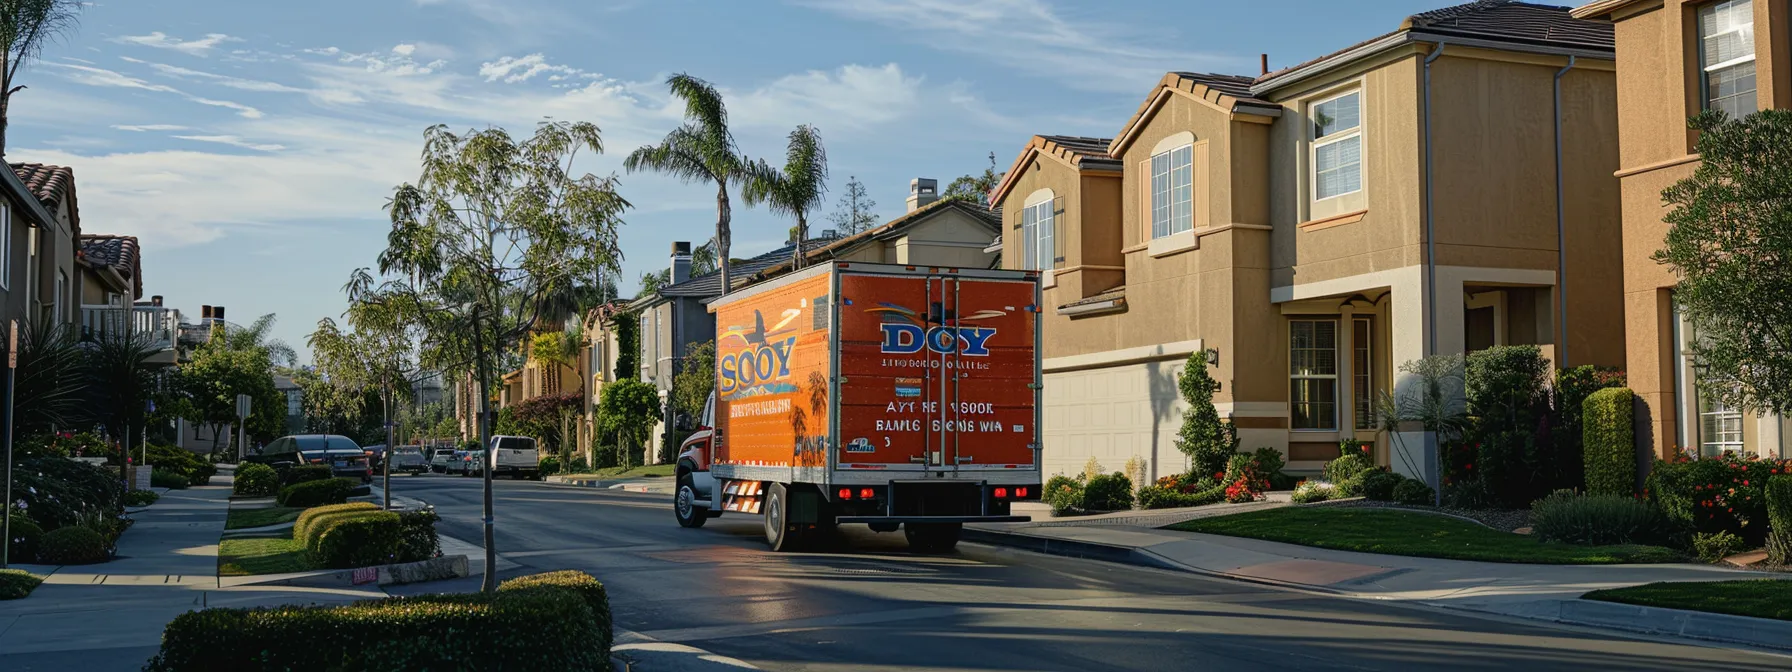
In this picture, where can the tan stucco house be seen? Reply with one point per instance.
(1295, 228)
(1677, 58)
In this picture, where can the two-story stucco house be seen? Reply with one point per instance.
(1677, 58)
(1438, 189)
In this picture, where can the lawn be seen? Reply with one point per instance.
(243, 556)
(1414, 534)
(244, 518)
(649, 471)
(17, 583)
(1760, 598)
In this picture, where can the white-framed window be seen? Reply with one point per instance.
(1038, 235)
(1362, 372)
(1173, 191)
(1720, 426)
(1727, 56)
(1337, 146)
(1313, 374)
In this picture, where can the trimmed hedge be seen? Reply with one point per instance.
(417, 538)
(1111, 492)
(316, 493)
(73, 545)
(305, 473)
(1607, 442)
(26, 538)
(1159, 497)
(1347, 466)
(1379, 485)
(361, 539)
(556, 621)
(1779, 520)
(256, 480)
(301, 526)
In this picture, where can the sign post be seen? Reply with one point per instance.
(243, 403)
(12, 365)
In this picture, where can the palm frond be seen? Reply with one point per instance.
(702, 104)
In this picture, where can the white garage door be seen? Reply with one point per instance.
(1113, 414)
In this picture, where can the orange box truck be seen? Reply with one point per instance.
(852, 393)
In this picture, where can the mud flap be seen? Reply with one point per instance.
(805, 506)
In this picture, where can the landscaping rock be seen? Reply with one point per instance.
(1747, 559)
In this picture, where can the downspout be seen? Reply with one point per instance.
(1561, 230)
(1433, 475)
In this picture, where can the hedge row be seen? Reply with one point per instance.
(1607, 445)
(316, 493)
(304, 473)
(556, 621)
(359, 534)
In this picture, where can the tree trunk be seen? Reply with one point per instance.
(802, 234)
(5, 107)
(488, 583)
(723, 235)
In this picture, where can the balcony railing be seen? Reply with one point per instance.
(159, 324)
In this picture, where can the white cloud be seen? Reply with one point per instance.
(223, 80)
(1080, 52)
(853, 96)
(521, 69)
(233, 141)
(92, 76)
(398, 61)
(198, 47)
(141, 128)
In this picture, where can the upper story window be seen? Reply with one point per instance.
(1727, 56)
(1337, 146)
(1038, 235)
(1173, 191)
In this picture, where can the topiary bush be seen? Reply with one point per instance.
(1608, 441)
(555, 621)
(1108, 492)
(1575, 518)
(1414, 492)
(316, 493)
(161, 478)
(256, 480)
(302, 526)
(304, 473)
(1378, 484)
(361, 539)
(26, 537)
(1207, 440)
(417, 537)
(1779, 519)
(73, 545)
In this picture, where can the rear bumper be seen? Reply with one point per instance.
(933, 519)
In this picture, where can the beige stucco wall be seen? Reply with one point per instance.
(950, 238)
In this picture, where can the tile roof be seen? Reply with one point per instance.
(710, 284)
(1081, 152)
(1510, 21)
(51, 185)
(1236, 86)
(121, 253)
(891, 228)
(1227, 92)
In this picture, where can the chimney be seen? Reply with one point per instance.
(681, 262)
(218, 312)
(156, 300)
(922, 191)
(830, 234)
(205, 312)
(1264, 61)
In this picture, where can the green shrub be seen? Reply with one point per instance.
(59, 492)
(1110, 492)
(301, 526)
(1379, 484)
(1270, 464)
(1313, 491)
(1414, 492)
(548, 622)
(27, 537)
(1607, 442)
(1207, 440)
(1159, 497)
(168, 479)
(304, 473)
(417, 538)
(1504, 395)
(1064, 494)
(1779, 519)
(1713, 547)
(549, 466)
(1709, 494)
(17, 583)
(1567, 425)
(256, 480)
(1470, 494)
(1346, 466)
(195, 468)
(316, 493)
(578, 465)
(141, 497)
(361, 539)
(72, 545)
(1599, 520)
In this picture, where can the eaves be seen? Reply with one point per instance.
(1402, 38)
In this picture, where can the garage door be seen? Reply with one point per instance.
(1113, 414)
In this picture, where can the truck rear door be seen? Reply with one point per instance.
(938, 372)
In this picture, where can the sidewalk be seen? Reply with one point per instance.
(1545, 592)
(110, 616)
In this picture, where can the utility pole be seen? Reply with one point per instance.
(12, 365)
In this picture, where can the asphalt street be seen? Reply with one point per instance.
(867, 603)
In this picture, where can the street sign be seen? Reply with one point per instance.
(242, 406)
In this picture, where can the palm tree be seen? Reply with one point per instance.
(256, 337)
(702, 150)
(797, 189)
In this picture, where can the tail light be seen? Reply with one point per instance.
(845, 493)
(1001, 493)
(1020, 492)
(867, 493)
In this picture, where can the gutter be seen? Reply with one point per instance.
(1402, 38)
(1561, 229)
(22, 194)
(1108, 306)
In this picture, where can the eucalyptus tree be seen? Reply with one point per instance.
(26, 26)
(795, 190)
(701, 150)
(492, 228)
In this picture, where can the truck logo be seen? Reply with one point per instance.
(907, 339)
(755, 365)
(860, 445)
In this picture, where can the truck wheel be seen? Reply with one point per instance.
(932, 537)
(779, 533)
(684, 503)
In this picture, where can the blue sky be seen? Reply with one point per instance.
(251, 145)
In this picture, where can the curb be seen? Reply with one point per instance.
(1126, 555)
(433, 569)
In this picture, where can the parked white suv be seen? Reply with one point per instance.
(515, 456)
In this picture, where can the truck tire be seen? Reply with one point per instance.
(684, 506)
(779, 533)
(932, 537)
